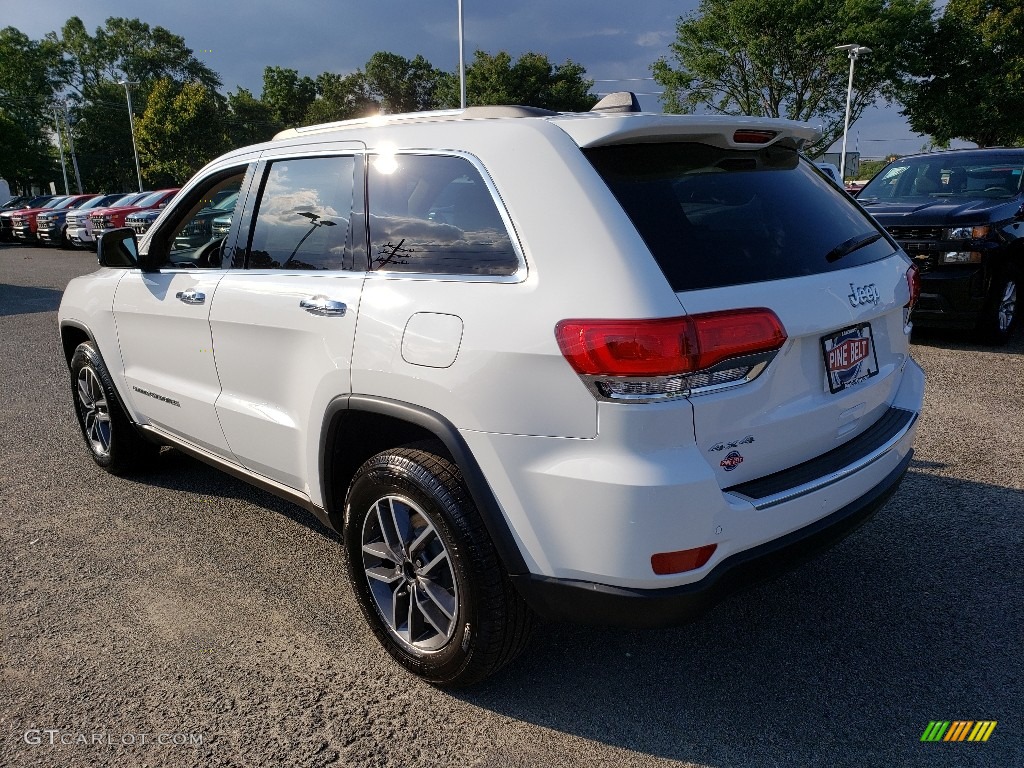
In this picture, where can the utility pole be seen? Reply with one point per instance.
(60, 146)
(462, 60)
(71, 146)
(131, 122)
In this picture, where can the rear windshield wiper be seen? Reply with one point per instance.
(851, 245)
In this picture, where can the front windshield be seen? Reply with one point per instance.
(151, 199)
(959, 176)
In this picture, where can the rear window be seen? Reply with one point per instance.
(713, 217)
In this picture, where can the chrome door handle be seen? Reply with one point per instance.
(190, 297)
(321, 305)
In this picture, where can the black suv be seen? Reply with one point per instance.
(960, 215)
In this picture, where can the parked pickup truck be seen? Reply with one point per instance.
(52, 226)
(24, 221)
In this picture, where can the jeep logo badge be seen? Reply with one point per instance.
(863, 294)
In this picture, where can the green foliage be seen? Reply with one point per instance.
(972, 75)
(340, 97)
(181, 130)
(182, 121)
(126, 49)
(249, 120)
(532, 81)
(29, 80)
(869, 168)
(777, 58)
(399, 84)
(288, 95)
(103, 139)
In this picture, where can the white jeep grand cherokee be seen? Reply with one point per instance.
(599, 367)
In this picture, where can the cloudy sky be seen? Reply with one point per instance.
(616, 42)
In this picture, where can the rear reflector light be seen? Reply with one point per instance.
(685, 560)
(753, 137)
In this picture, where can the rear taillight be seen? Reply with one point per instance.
(914, 281)
(649, 360)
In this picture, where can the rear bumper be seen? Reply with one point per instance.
(583, 602)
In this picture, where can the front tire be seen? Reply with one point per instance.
(113, 441)
(425, 572)
(999, 317)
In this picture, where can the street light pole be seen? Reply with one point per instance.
(462, 60)
(131, 123)
(854, 50)
(60, 146)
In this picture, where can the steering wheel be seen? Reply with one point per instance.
(211, 254)
(1004, 190)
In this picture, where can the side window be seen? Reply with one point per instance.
(197, 240)
(303, 215)
(435, 215)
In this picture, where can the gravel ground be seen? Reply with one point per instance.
(185, 605)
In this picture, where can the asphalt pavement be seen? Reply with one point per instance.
(183, 618)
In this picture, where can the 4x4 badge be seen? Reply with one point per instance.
(735, 443)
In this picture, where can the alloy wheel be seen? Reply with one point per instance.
(95, 413)
(410, 574)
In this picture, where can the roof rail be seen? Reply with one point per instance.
(483, 112)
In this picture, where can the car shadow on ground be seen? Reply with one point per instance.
(179, 472)
(843, 661)
(24, 300)
(965, 340)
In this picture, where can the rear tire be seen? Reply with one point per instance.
(999, 317)
(113, 441)
(425, 572)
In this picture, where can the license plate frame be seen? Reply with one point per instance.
(849, 357)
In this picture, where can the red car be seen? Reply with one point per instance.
(24, 221)
(113, 218)
(80, 225)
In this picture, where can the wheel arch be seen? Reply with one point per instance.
(73, 333)
(356, 427)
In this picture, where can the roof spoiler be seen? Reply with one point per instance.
(620, 101)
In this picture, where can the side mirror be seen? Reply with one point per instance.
(118, 248)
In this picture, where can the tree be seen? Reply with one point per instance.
(91, 67)
(288, 95)
(777, 58)
(103, 139)
(972, 75)
(340, 97)
(532, 81)
(127, 49)
(249, 120)
(402, 85)
(181, 131)
(29, 82)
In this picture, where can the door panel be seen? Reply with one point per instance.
(283, 327)
(280, 365)
(163, 329)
